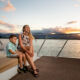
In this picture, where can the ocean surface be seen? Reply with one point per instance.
(51, 47)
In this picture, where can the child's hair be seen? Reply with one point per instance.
(30, 34)
(11, 36)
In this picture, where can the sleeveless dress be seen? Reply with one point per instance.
(25, 41)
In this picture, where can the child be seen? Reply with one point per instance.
(12, 51)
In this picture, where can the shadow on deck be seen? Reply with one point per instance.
(52, 68)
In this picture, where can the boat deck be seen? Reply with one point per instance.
(54, 68)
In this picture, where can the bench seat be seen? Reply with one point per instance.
(7, 63)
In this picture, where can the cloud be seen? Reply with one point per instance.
(7, 25)
(71, 22)
(3, 31)
(4, 17)
(2, 0)
(77, 0)
(12, 28)
(71, 30)
(57, 30)
(76, 5)
(8, 7)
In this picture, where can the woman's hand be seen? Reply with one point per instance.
(31, 54)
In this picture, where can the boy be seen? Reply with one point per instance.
(12, 51)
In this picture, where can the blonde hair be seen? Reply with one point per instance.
(30, 34)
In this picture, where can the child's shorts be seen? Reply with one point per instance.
(13, 56)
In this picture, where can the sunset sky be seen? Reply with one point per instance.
(39, 14)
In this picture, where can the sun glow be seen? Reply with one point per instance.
(72, 32)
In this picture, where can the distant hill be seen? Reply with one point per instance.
(6, 35)
(39, 35)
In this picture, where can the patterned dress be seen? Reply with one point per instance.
(25, 42)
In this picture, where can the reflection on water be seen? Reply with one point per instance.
(72, 49)
(52, 47)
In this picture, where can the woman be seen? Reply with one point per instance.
(26, 46)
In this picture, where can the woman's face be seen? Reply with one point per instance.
(27, 29)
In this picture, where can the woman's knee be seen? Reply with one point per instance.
(20, 55)
(27, 56)
(24, 56)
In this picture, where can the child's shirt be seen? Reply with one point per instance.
(11, 46)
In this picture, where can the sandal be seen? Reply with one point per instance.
(19, 70)
(32, 69)
(25, 68)
(35, 74)
(37, 70)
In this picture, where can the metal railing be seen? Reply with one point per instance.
(1, 46)
(44, 43)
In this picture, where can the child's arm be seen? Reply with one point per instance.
(12, 51)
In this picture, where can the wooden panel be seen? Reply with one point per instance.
(7, 63)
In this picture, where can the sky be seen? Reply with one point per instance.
(39, 14)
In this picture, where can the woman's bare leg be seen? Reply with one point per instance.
(31, 62)
(32, 51)
(20, 60)
(24, 59)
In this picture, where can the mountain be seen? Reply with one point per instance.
(6, 35)
(43, 34)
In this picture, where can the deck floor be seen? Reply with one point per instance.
(52, 68)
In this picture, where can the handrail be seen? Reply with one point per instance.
(42, 45)
(1, 43)
(62, 48)
(58, 52)
(1, 46)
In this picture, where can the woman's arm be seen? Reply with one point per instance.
(21, 44)
(31, 46)
(31, 42)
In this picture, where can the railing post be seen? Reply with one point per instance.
(62, 48)
(42, 45)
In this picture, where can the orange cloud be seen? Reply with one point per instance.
(68, 30)
(71, 30)
(12, 27)
(3, 31)
(65, 30)
(8, 7)
(4, 17)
